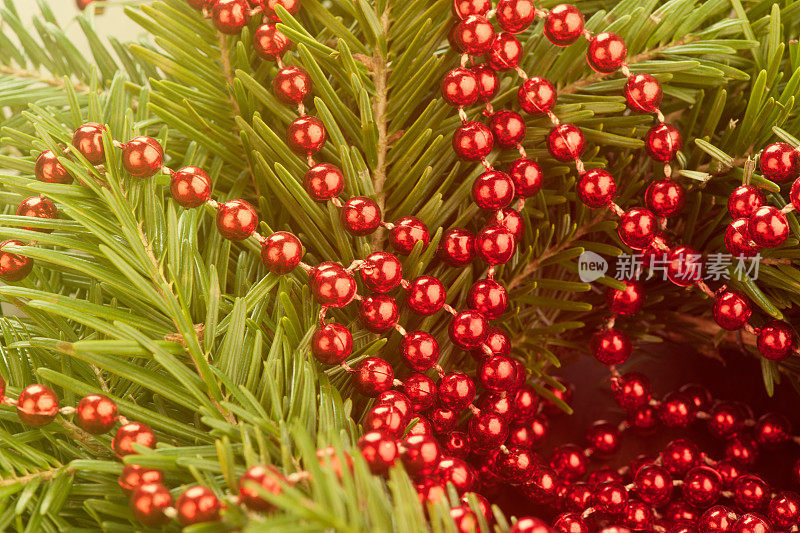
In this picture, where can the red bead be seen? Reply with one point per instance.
(508, 129)
(281, 252)
(407, 232)
(731, 310)
(292, 6)
(653, 484)
(381, 272)
(701, 486)
(729, 471)
(498, 373)
(488, 83)
(323, 182)
(666, 198)
(291, 85)
(385, 418)
(741, 450)
(332, 285)
(566, 142)
(96, 414)
(643, 93)
(496, 402)
(474, 35)
(134, 476)
(780, 162)
(197, 505)
(148, 503)
(745, 200)
(464, 519)
(628, 301)
(49, 170)
(456, 391)
(421, 391)
(458, 472)
(750, 493)
(236, 220)
(596, 188)
(527, 177)
(784, 510)
(269, 42)
(142, 157)
(426, 295)
(530, 525)
(419, 350)
(495, 244)
(676, 410)
(678, 513)
(378, 313)
(464, 8)
(472, 141)
(396, 399)
(306, 135)
(38, 207)
(379, 451)
(772, 430)
(468, 329)
(610, 497)
(685, 266)
(37, 405)
(373, 377)
(360, 215)
(637, 228)
(570, 523)
(488, 297)
(190, 187)
(537, 95)
(130, 434)
(662, 142)
(603, 438)
(725, 419)
(514, 465)
(497, 341)
(577, 496)
(639, 516)
(569, 462)
(259, 479)
(525, 404)
(603, 474)
(794, 194)
(699, 396)
(487, 431)
(460, 87)
(607, 52)
(14, 267)
(457, 247)
(443, 420)
(632, 390)
(420, 455)
(679, 456)
(504, 53)
(542, 486)
(768, 227)
(456, 444)
(776, 340)
(611, 346)
(563, 25)
(751, 523)
(515, 15)
(88, 140)
(331, 344)
(737, 239)
(643, 420)
(230, 16)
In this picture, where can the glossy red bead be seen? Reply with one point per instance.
(458, 472)
(488, 82)
(607, 52)
(768, 227)
(745, 200)
(38, 207)
(407, 232)
(685, 266)
(570, 523)
(542, 486)
(505, 52)
(610, 497)
(381, 272)
(14, 267)
(142, 157)
(464, 8)
(331, 343)
(88, 140)
(537, 95)
(731, 310)
(472, 141)
(643, 93)
(419, 350)
(566, 142)
(569, 462)
(751, 523)
(632, 390)
(514, 465)
(780, 162)
(148, 503)
(421, 391)
(737, 239)
(498, 373)
(676, 410)
(665, 198)
(197, 505)
(474, 35)
(134, 476)
(291, 84)
(530, 525)
(468, 329)
(420, 455)
(750, 493)
(639, 516)
(332, 285)
(360, 215)
(725, 419)
(772, 431)
(637, 228)
(443, 420)
(426, 295)
(783, 510)
(563, 25)
(460, 87)
(488, 297)
(96, 414)
(457, 247)
(653, 484)
(662, 142)
(37, 405)
(456, 444)
(378, 313)
(190, 187)
(702, 486)
(269, 42)
(373, 377)
(230, 16)
(49, 170)
(385, 418)
(596, 188)
(776, 340)
(527, 177)
(130, 434)
(495, 244)
(644, 420)
(255, 480)
(508, 128)
(513, 222)
(497, 342)
(529, 434)
(611, 346)
(281, 252)
(679, 456)
(603, 438)
(306, 135)
(742, 450)
(236, 220)
(487, 431)
(456, 390)
(292, 6)
(379, 451)
(515, 15)
(628, 301)
(323, 182)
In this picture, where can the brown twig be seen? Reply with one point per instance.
(380, 74)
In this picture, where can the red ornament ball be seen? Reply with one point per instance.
(443, 420)
(331, 343)
(639, 516)
(197, 505)
(527, 177)
(751, 523)
(134, 476)
(611, 346)
(537, 95)
(498, 343)
(607, 52)
(487, 431)
(474, 35)
(396, 399)
(772, 431)
(679, 456)
(513, 222)
(323, 182)
(563, 25)
(493, 190)
(514, 465)
(488, 297)
(373, 377)
(472, 141)
(464, 8)
(457, 247)
(768, 227)
(569, 462)
(142, 157)
(385, 418)
(596, 188)
(745, 200)
(737, 239)
(632, 390)
(421, 391)
(637, 228)
(731, 310)
(628, 301)
(750, 493)
(130, 434)
(378, 313)
(685, 266)
(468, 329)
(420, 455)
(96, 414)
(381, 272)
(426, 295)
(676, 410)
(88, 140)
(230, 16)
(662, 142)
(499, 374)
(236, 220)
(643, 93)
(742, 450)
(508, 128)
(360, 215)
(419, 350)
(14, 267)
(456, 391)
(255, 480)
(306, 135)
(566, 142)
(665, 198)
(460, 87)
(49, 170)
(38, 207)
(269, 42)
(776, 340)
(332, 285)
(281, 252)
(292, 6)
(780, 162)
(702, 486)
(784, 510)
(379, 451)
(603, 438)
(488, 83)
(504, 53)
(495, 244)
(291, 85)
(530, 525)
(148, 503)
(570, 523)
(610, 497)
(190, 187)
(407, 232)
(37, 405)
(515, 16)
(653, 484)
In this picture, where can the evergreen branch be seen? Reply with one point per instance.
(380, 75)
(38, 77)
(44, 475)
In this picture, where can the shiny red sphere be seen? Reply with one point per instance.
(460, 87)
(639, 516)
(662, 142)
(488, 297)
(513, 222)
(457, 247)
(644, 420)
(331, 343)
(323, 181)
(508, 128)
(443, 420)
(702, 486)
(407, 232)
(742, 450)
(643, 93)
(514, 465)
(499, 374)
(96, 414)
(780, 162)
(570, 523)
(527, 177)
(255, 480)
(420, 455)
(385, 418)
(632, 390)
(487, 431)
(395, 399)
(381, 272)
(378, 313)
(306, 135)
(197, 505)
(14, 267)
(360, 215)
(505, 52)
(596, 188)
(751, 523)
(497, 341)
(269, 42)
(456, 390)
(130, 434)
(230, 16)
(665, 198)
(515, 16)
(772, 431)
(468, 329)
(610, 497)
(134, 476)
(495, 244)
(679, 456)
(731, 310)
(291, 84)
(38, 207)
(783, 510)
(737, 239)
(472, 141)
(190, 187)
(566, 142)
(281, 252)
(537, 95)
(750, 493)
(464, 8)
(488, 82)
(373, 377)
(530, 525)
(142, 157)
(474, 35)
(569, 462)
(637, 228)
(332, 285)
(653, 484)
(236, 220)
(148, 503)
(493, 190)
(628, 301)
(49, 170)
(542, 486)
(37, 405)
(563, 25)
(419, 350)
(458, 472)
(88, 140)
(426, 295)
(685, 266)
(607, 52)
(776, 340)
(745, 200)
(611, 346)
(379, 451)
(292, 6)
(768, 227)
(676, 410)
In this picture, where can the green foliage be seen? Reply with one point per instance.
(143, 301)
